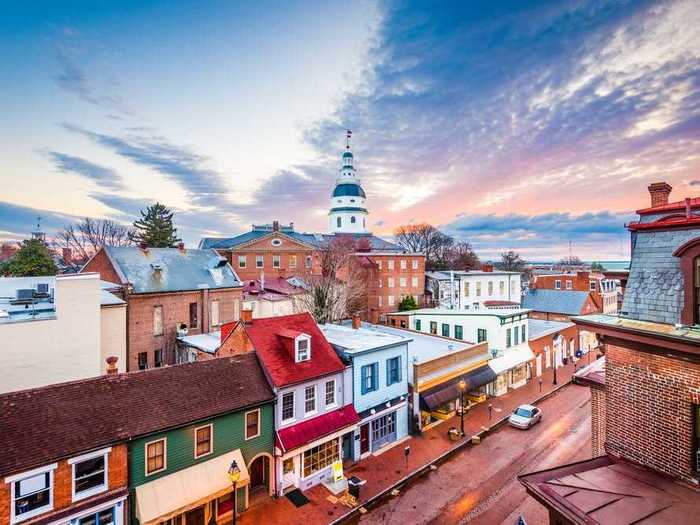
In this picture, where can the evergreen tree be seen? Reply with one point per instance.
(408, 303)
(155, 227)
(32, 259)
(597, 267)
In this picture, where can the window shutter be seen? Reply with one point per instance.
(375, 376)
(363, 380)
(388, 372)
(398, 362)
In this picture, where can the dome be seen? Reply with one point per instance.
(347, 154)
(349, 190)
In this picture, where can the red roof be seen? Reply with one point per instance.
(672, 221)
(671, 206)
(267, 336)
(313, 429)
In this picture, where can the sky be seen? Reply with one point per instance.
(533, 126)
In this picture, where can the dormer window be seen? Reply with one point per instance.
(689, 254)
(302, 347)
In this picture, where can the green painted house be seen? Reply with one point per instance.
(206, 418)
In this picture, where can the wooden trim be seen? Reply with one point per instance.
(687, 253)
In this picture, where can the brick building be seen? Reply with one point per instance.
(278, 250)
(169, 292)
(551, 341)
(603, 291)
(646, 395)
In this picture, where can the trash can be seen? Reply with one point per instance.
(354, 484)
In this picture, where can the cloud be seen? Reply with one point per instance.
(104, 177)
(16, 222)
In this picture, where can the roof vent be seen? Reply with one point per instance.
(156, 267)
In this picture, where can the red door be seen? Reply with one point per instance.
(364, 438)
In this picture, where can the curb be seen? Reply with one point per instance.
(420, 471)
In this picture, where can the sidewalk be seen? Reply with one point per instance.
(384, 470)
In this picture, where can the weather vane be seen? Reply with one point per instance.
(347, 137)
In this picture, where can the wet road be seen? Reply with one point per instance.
(479, 485)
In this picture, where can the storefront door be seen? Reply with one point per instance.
(364, 438)
(383, 430)
(289, 475)
(195, 516)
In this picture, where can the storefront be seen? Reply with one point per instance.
(512, 370)
(197, 495)
(380, 426)
(108, 513)
(441, 401)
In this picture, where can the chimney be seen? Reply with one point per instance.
(659, 192)
(487, 267)
(112, 365)
(275, 226)
(291, 226)
(181, 246)
(67, 255)
(144, 246)
(246, 316)
(356, 323)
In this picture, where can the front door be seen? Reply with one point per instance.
(364, 438)
(538, 364)
(258, 473)
(195, 516)
(289, 476)
(347, 445)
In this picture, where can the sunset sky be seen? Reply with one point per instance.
(516, 125)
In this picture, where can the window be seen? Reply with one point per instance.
(390, 264)
(557, 284)
(696, 437)
(445, 330)
(292, 261)
(276, 242)
(379, 301)
(203, 441)
(339, 222)
(288, 406)
(390, 300)
(32, 493)
(402, 282)
(155, 456)
(390, 282)
(275, 261)
(490, 286)
(689, 254)
(516, 335)
(402, 264)
(433, 327)
(481, 335)
(252, 424)
(569, 284)
(478, 288)
(320, 457)
(193, 315)
(458, 332)
(214, 314)
(330, 392)
(352, 219)
(368, 376)
(310, 399)
(466, 289)
(242, 261)
(508, 338)
(414, 282)
(417, 323)
(308, 261)
(158, 358)
(158, 320)
(104, 517)
(302, 350)
(593, 286)
(379, 283)
(502, 287)
(259, 261)
(379, 264)
(143, 360)
(414, 264)
(523, 333)
(393, 370)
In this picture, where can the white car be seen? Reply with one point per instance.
(525, 416)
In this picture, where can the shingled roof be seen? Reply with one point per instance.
(567, 302)
(44, 424)
(314, 240)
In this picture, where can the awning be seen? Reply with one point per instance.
(165, 497)
(449, 390)
(316, 428)
(511, 358)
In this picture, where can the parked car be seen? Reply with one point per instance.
(525, 416)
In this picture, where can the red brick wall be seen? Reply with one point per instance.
(101, 264)
(62, 483)
(287, 250)
(176, 310)
(237, 343)
(598, 420)
(649, 409)
(580, 281)
(383, 274)
(549, 317)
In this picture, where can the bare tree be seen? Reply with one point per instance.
(340, 291)
(571, 260)
(511, 262)
(86, 237)
(426, 238)
(461, 256)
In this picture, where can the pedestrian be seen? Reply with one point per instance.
(540, 384)
(490, 410)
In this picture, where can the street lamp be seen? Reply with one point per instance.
(234, 474)
(462, 388)
(554, 382)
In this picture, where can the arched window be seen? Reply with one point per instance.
(689, 254)
(352, 219)
(339, 222)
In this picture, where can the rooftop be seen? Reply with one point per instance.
(568, 302)
(445, 274)
(678, 332)
(539, 327)
(606, 491)
(492, 312)
(360, 340)
(208, 343)
(171, 269)
(592, 374)
(44, 424)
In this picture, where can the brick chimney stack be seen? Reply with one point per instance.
(246, 316)
(181, 246)
(275, 226)
(112, 365)
(356, 322)
(487, 267)
(67, 255)
(659, 192)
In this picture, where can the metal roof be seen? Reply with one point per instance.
(568, 302)
(348, 189)
(171, 269)
(315, 240)
(539, 327)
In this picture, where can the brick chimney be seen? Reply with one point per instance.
(112, 365)
(487, 267)
(275, 226)
(356, 322)
(246, 316)
(67, 255)
(144, 246)
(659, 192)
(181, 246)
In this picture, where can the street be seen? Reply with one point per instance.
(479, 485)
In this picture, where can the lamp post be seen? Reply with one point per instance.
(234, 474)
(554, 382)
(462, 388)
